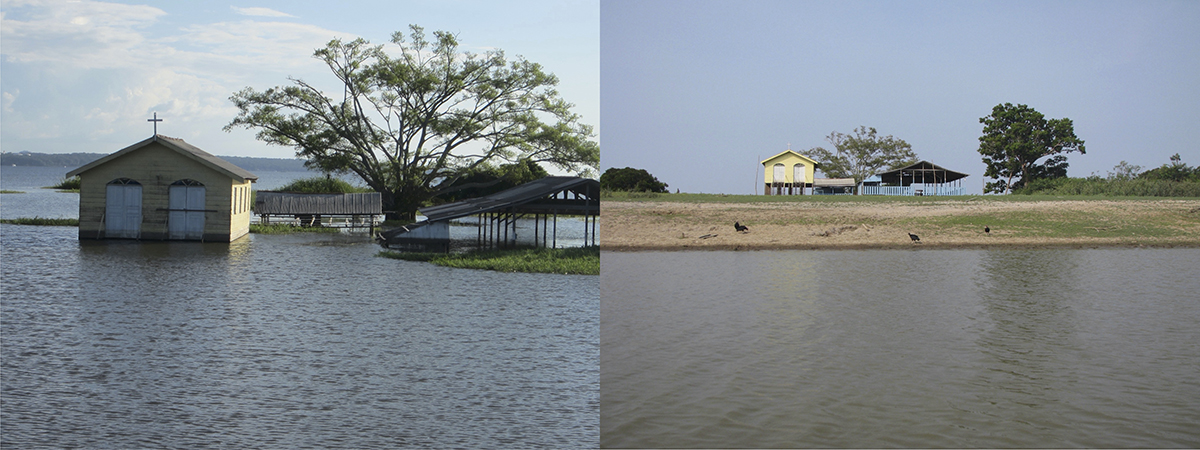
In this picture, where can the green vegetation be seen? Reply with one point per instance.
(1139, 187)
(1015, 138)
(630, 180)
(282, 228)
(1171, 180)
(42, 221)
(862, 155)
(322, 185)
(408, 115)
(68, 184)
(577, 261)
(6, 191)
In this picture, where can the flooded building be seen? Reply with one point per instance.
(163, 188)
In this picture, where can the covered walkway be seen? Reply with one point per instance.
(541, 200)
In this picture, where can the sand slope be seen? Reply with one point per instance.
(665, 225)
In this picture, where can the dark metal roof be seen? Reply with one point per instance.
(183, 148)
(528, 197)
(286, 203)
(920, 172)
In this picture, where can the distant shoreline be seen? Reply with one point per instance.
(251, 163)
(943, 223)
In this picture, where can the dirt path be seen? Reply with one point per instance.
(630, 225)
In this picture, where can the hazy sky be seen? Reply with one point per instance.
(83, 76)
(699, 92)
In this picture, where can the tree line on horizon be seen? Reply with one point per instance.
(1024, 152)
(251, 163)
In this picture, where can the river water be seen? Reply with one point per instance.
(923, 348)
(280, 341)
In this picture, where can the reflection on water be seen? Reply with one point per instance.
(286, 341)
(961, 348)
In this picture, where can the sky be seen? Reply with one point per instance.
(698, 93)
(84, 76)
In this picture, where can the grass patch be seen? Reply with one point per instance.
(6, 191)
(576, 261)
(42, 221)
(68, 185)
(280, 228)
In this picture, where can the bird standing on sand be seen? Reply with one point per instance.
(986, 229)
(740, 228)
(914, 237)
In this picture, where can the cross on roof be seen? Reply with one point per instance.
(156, 120)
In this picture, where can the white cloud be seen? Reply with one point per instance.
(83, 33)
(93, 69)
(260, 12)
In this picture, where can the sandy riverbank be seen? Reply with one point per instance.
(667, 225)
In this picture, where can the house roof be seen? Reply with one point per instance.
(182, 148)
(530, 196)
(793, 152)
(287, 203)
(920, 172)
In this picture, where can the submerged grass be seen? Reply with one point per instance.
(575, 261)
(42, 221)
(279, 228)
(6, 191)
(68, 185)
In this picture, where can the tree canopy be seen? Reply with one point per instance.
(862, 154)
(1176, 171)
(413, 121)
(630, 179)
(1015, 138)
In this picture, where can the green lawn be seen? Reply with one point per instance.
(577, 261)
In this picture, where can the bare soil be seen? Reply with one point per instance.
(634, 225)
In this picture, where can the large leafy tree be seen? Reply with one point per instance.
(414, 120)
(1015, 138)
(862, 154)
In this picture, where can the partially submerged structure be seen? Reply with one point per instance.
(920, 178)
(355, 210)
(788, 173)
(163, 188)
(541, 200)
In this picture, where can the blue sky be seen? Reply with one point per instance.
(698, 92)
(83, 76)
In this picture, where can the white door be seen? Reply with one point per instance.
(798, 175)
(123, 211)
(779, 176)
(186, 218)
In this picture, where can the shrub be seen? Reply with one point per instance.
(322, 185)
(631, 180)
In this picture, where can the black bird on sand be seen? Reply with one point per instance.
(986, 229)
(741, 228)
(914, 237)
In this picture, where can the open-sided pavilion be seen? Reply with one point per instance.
(542, 200)
(920, 178)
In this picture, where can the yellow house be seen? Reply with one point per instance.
(163, 188)
(788, 173)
